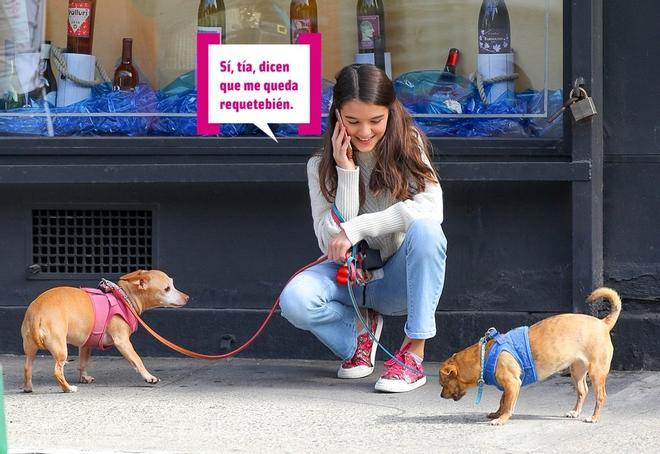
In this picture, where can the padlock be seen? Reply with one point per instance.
(584, 107)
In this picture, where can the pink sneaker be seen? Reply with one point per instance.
(362, 362)
(399, 379)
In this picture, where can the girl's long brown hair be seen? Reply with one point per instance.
(400, 169)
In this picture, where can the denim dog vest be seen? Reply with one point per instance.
(516, 342)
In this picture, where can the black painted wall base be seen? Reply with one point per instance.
(635, 335)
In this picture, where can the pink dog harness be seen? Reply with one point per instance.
(106, 306)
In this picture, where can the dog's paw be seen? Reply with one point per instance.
(86, 379)
(27, 390)
(71, 389)
(497, 422)
(590, 419)
(572, 414)
(493, 415)
(152, 380)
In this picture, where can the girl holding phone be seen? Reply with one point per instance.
(375, 169)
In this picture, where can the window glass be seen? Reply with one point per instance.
(502, 79)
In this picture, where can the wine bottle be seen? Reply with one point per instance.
(126, 76)
(211, 17)
(452, 60)
(48, 83)
(80, 27)
(46, 70)
(370, 24)
(303, 18)
(495, 58)
(379, 52)
(494, 28)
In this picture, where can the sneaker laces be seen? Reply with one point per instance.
(401, 362)
(363, 353)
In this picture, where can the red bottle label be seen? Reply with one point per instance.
(79, 19)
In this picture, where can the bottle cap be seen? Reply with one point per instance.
(452, 58)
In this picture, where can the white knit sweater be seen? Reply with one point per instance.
(381, 220)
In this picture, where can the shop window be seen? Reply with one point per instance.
(414, 45)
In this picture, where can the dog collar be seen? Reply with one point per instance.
(110, 287)
(490, 334)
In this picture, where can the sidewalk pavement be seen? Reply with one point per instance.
(249, 405)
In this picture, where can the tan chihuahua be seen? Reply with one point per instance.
(578, 341)
(65, 315)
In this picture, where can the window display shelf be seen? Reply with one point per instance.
(151, 160)
(251, 146)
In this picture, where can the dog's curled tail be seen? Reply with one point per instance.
(615, 304)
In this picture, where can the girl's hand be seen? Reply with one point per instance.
(341, 147)
(339, 247)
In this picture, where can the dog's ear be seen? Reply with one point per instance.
(138, 278)
(449, 370)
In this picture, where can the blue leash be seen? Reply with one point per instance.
(490, 334)
(352, 260)
(366, 326)
(480, 383)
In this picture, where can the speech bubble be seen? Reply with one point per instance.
(259, 84)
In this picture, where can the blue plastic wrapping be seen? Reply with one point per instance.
(21, 126)
(433, 92)
(180, 96)
(540, 127)
(106, 100)
(438, 92)
(180, 101)
(421, 92)
(103, 99)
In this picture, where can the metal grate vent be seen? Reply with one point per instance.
(91, 241)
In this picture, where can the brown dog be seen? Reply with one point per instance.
(578, 341)
(65, 315)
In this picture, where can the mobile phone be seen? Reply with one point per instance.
(349, 151)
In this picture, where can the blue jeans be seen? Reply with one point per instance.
(412, 284)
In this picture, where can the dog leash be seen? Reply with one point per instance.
(490, 334)
(349, 277)
(373, 337)
(119, 293)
